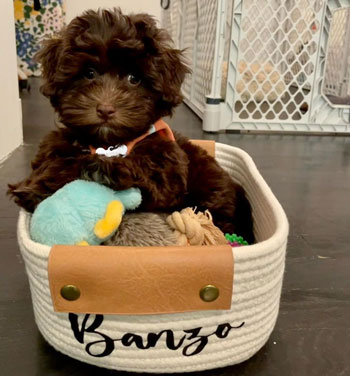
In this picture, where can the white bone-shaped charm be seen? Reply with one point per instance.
(113, 151)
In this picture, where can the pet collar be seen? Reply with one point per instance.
(159, 126)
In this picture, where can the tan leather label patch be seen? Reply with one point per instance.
(140, 280)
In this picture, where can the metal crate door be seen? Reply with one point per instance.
(275, 65)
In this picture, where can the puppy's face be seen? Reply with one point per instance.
(110, 76)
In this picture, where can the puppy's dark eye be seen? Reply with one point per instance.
(90, 73)
(133, 79)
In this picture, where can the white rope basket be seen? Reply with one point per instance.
(225, 337)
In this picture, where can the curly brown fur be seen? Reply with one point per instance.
(88, 64)
(109, 77)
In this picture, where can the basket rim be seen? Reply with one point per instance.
(279, 237)
(275, 241)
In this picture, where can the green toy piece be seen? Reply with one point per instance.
(235, 240)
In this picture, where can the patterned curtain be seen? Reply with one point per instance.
(35, 20)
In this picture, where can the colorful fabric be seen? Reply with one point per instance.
(32, 26)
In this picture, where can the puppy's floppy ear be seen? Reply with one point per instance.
(170, 69)
(172, 74)
(48, 56)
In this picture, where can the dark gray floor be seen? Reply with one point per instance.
(310, 176)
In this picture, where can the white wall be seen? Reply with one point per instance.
(75, 7)
(10, 110)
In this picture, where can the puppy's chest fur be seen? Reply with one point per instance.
(158, 167)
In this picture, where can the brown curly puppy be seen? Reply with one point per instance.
(110, 77)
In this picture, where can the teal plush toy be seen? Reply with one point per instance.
(82, 213)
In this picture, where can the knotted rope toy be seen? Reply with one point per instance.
(193, 228)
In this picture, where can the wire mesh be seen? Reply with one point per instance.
(337, 75)
(171, 20)
(228, 25)
(276, 59)
(207, 13)
(192, 24)
(274, 62)
(188, 42)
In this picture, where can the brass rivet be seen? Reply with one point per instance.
(209, 293)
(70, 292)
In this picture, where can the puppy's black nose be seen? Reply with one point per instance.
(105, 110)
